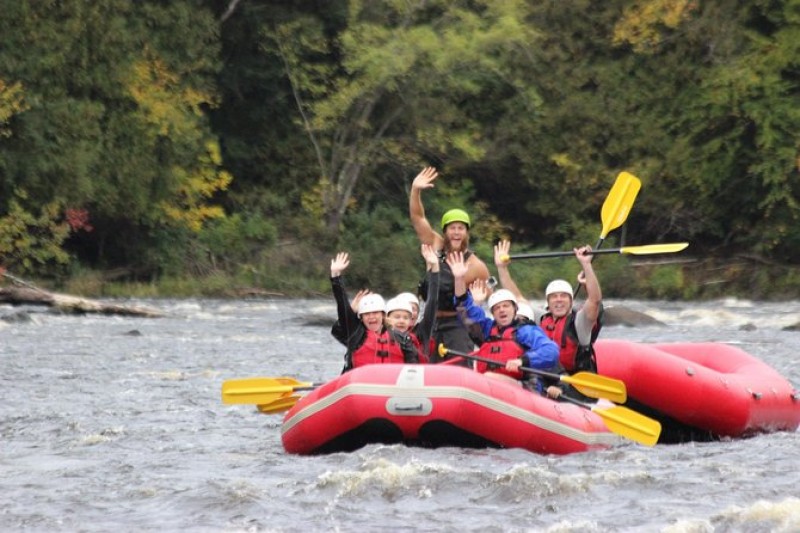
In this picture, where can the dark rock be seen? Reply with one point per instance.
(319, 321)
(625, 316)
(19, 317)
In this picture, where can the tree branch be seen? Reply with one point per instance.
(229, 11)
(299, 101)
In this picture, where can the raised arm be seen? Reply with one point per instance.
(501, 252)
(416, 212)
(339, 264)
(589, 313)
(431, 259)
(428, 324)
(471, 314)
(347, 317)
(591, 307)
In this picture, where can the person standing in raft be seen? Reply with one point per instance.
(368, 340)
(575, 331)
(509, 341)
(455, 238)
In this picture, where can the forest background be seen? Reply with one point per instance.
(198, 147)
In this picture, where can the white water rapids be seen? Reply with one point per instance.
(116, 424)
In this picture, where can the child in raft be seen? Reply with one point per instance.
(365, 332)
(402, 311)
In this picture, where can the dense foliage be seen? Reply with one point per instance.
(255, 138)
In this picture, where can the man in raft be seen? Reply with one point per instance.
(574, 330)
(506, 339)
(455, 226)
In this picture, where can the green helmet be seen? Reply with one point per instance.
(455, 215)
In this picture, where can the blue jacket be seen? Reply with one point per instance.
(540, 352)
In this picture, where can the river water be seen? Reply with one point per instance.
(116, 424)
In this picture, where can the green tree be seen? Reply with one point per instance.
(411, 84)
(726, 99)
(32, 243)
(12, 102)
(117, 94)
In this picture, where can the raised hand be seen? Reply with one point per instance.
(357, 299)
(457, 265)
(339, 264)
(431, 259)
(425, 179)
(479, 290)
(501, 251)
(584, 254)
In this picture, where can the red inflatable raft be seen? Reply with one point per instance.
(433, 406)
(701, 391)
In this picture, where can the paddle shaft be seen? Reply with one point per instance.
(498, 363)
(589, 384)
(542, 255)
(633, 250)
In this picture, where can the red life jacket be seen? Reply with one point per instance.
(572, 356)
(501, 346)
(378, 348)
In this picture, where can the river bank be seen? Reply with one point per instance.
(687, 278)
(670, 279)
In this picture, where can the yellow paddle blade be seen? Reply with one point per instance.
(281, 405)
(630, 424)
(619, 202)
(253, 396)
(597, 386)
(668, 248)
(259, 390)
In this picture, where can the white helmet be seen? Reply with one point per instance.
(410, 297)
(398, 304)
(371, 303)
(526, 311)
(558, 285)
(501, 296)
